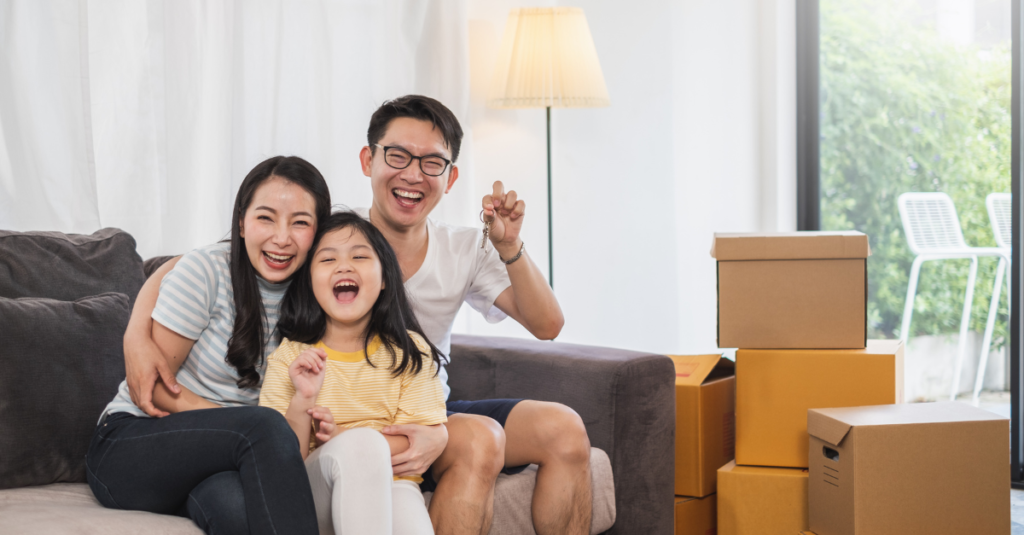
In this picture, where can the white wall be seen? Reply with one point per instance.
(700, 137)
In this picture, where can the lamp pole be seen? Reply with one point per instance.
(551, 222)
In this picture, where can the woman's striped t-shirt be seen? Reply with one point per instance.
(197, 301)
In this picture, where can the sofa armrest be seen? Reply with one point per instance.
(625, 398)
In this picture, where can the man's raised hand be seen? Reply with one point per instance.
(504, 211)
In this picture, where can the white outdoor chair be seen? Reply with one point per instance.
(933, 233)
(1000, 214)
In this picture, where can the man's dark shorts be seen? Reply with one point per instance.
(497, 409)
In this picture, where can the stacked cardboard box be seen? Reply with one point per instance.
(705, 437)
(796, 306)
(915, 469)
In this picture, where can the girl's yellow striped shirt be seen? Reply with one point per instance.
(358, 394)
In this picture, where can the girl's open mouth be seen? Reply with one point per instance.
(345, 291)
(277, 261)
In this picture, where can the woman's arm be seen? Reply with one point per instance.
(175, 349)
(144, 362)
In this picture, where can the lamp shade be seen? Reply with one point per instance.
(547, 58)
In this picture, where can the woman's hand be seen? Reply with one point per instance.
(307, 372)
(323, 422)
(426, 442)
(505, 214)
(144, 364)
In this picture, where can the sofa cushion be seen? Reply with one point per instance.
(60, 363)
(69, 266)
(71, 508)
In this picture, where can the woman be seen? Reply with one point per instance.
(237, 469)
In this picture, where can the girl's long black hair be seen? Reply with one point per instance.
(391, 317)
(245, 347)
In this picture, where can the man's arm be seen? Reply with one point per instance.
(143, 360)
(529, 300)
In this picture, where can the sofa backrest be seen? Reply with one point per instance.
(65, 301)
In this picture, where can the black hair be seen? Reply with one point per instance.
(416, 107)
(391, 318)
(247, 342)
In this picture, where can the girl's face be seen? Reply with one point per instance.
(346, 276)
(278, 228)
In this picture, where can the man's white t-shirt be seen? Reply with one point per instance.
(455, 270)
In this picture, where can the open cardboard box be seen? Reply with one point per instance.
(774, 389)
(792, 290)
(705, 421)
(696, 516)
(923, 468)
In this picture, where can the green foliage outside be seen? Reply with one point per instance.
(903, 110)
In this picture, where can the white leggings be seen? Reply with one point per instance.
(355, 493)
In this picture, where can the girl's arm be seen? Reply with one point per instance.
(300, 420)
(291, 388)
(175, 349)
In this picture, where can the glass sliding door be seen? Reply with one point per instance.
(903, 96)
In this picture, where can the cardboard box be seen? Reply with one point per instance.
(696, 516)
(792, 290)
(755, 500)
(774, 389)
(922, 468)
(705, 421)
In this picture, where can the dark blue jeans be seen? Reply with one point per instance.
(231, 470)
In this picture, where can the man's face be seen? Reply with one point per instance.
(403, 198)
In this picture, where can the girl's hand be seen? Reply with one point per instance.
(307, 372)
(323, 422)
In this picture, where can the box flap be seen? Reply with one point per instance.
(693, 369)
(790, 245)
(909, 413)
(828, 429)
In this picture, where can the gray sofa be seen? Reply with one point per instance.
(67, 299)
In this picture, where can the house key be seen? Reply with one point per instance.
(487, 230)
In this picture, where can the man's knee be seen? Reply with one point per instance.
(476, 443)
(562, 434)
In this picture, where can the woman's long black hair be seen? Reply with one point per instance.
(391, 317)
(245, 347)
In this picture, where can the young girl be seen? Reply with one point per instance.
(354, 360)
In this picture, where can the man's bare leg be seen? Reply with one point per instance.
(463, 502)
(553, 436)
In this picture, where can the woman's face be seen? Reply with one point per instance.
(346, 276)
(278, 228)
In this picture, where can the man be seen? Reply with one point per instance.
(412, 145)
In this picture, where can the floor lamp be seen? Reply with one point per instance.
(548, 60)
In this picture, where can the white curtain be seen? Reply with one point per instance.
(146, 115)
